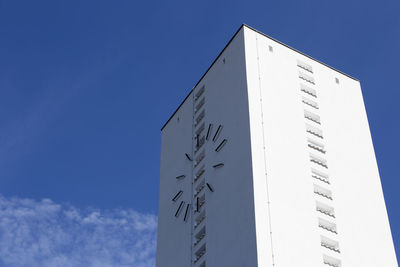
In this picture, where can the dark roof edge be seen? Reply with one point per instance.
(233, 37)
(326, 65)
(212, 64)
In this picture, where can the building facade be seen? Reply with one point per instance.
(269, 161)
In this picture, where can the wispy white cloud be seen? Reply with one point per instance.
(44, 233)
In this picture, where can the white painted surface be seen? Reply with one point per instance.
(230, 229)
(256, 96)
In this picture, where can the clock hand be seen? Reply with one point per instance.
(177, 196)
(188, 157)
(218, 165)
(209, 187)
(221, 145)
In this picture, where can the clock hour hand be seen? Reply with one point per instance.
(210, 187)
(188, 157)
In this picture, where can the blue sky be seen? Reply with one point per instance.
(85, 87)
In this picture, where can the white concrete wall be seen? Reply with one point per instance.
(363, 229)
(230, 227)
(263, 209)
(292, 209)
(230, 212)
(174, 236)
(361, 212)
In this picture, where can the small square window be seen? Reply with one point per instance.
(337, 80)
(270, 49)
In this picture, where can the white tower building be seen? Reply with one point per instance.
(269, 162)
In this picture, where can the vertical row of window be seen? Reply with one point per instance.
(319, 167)
(199, 183)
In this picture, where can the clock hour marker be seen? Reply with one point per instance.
(178, 211)
(186, 212)
(217, 133)
(209, 187)
(188, 157)
(177, 196)
(220, 146)
(180, 176)
(209, 131)
(198, 204)
(218, 165)
(197, 141)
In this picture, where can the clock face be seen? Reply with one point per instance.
(208, 141)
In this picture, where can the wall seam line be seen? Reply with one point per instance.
(265, 156)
